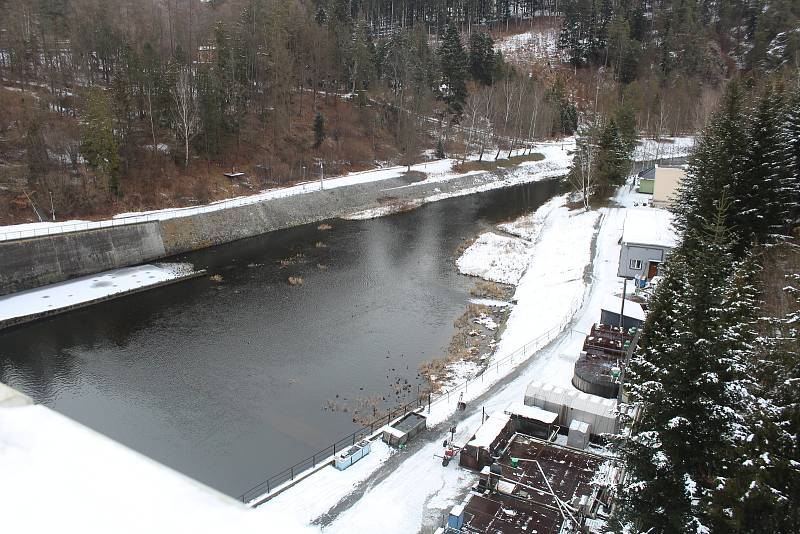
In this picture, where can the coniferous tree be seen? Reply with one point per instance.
(98, 144)
(690, 386)
(751, 495)
(481, 58)
(717, 156)
(36, 151)
(319, 130)
(612, 161)
(760, 198)
(453, 66)
(790, 147)
(716, 447)
(440, 150)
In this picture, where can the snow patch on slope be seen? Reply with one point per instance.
(495, 258)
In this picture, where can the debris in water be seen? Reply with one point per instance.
(215, 278)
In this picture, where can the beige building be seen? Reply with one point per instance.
(666, 183)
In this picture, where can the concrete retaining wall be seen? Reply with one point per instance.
(29, 263)
(34, 262)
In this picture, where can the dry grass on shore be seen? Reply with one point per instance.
(492, 290)
(493, 165)
(469, 343)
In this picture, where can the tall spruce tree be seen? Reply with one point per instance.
(717, 156)
(453, 66)
(759, 191)
(612, 161)
(688, 385)
(481, 58)
(790, 143)
(98, 143)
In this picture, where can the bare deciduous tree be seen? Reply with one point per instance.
(185, 116)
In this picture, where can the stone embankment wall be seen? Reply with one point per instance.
(29, 263)
(34, 262)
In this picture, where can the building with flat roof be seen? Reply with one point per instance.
(647, 239)
(663, 182)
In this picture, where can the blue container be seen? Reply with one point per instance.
(456, 518)
(352, 454)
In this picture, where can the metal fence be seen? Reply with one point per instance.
(261, 492)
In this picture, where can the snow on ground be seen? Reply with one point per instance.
(88, 288)
(419, 489)
(102, 486)
(329, 486)
(530, 226)
(553, 285)
(60, 476)
(382, 211)
(667, 147)
(413, 496)
(556, 161)
(558, 158)
(495, 258)
(536, 44)
(490, 302)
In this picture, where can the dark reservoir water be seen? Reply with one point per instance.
(226, 381)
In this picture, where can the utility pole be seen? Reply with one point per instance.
(321, 176)
(622, 309)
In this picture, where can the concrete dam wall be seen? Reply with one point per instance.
(38, 261)
(33, 262)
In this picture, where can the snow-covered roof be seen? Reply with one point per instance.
(632, 309)
(490, 429)
(393, 431)
(649, 226)
(531, 412)
(579, 426)
(590, 404)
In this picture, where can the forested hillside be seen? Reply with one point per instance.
(115, 105)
